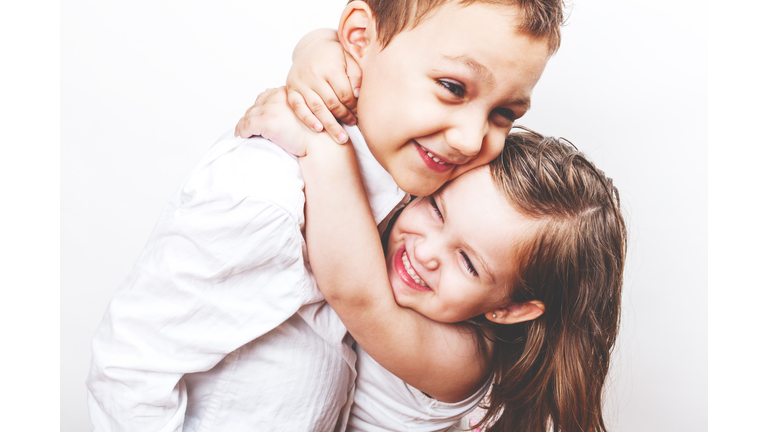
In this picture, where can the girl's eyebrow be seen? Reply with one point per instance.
(486, 271)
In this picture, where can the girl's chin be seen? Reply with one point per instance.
(397, 293)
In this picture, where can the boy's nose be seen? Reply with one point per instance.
(467, 138)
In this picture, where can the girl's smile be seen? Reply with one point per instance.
(450, 255)
(406, 272)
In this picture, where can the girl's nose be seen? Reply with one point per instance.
(426, 253)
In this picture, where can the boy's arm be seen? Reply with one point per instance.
(223, 266)
(322, 86)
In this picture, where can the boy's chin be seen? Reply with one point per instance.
(421, 187)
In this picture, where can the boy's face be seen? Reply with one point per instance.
(440, 98)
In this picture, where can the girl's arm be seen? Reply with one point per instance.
(349, 265)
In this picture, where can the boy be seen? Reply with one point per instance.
(220, 326)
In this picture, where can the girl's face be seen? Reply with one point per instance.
(451, 254)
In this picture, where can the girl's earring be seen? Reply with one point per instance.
(494, 315)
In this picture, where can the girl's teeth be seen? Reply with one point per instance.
(411, 272)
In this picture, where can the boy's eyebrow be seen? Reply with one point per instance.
(473, 65)
(485, 269)
(484, 75)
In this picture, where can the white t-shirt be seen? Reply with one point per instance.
(384, 402)
(220, 325)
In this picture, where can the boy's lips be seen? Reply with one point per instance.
(407, 273)
(433, 161)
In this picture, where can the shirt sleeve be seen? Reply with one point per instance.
(225, 264)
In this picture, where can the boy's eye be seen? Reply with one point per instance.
(506, 113)
(468, 264)
(455, 88)
(507, 116)
(434, 207)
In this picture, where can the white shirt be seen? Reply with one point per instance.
(384, 402)
(220, 326)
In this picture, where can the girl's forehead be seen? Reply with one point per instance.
(483, 219)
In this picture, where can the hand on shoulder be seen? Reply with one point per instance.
(272, 118)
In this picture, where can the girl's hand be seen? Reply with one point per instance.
(322, 85)
(272, 118)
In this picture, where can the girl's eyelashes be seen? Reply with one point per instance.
(464, 257)
(455, 88)
(434, 207)
(468, 264)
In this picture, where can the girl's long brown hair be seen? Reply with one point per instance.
(549, 373)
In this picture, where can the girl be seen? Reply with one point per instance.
(509, 274)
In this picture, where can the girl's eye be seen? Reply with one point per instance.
(456, 89)
(434, 207)
(468, 264)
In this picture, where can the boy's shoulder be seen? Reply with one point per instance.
(254, 168)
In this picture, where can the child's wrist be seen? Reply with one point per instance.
(317, 144)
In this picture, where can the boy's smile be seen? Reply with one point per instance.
(433, 161)
(441, 97)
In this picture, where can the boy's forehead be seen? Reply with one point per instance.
(480, 40)
(448, 11)
(478, 23)
(391, 20)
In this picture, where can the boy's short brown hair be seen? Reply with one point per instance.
(539, 18)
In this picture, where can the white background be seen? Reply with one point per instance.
(146, 87)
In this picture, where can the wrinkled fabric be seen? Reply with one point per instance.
(220, 325)
(384, 402)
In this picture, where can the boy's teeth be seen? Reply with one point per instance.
(433, 157)
(411, 271)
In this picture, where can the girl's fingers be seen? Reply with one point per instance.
(299, 106)
(318, 106)
(346, 101)
(336, 95)
(355, 75)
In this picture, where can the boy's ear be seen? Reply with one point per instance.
(516, 312)
(357, 29)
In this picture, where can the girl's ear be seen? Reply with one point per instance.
(357, 29)
(516, 312)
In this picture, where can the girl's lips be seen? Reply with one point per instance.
(434, 165)
(403, 272)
